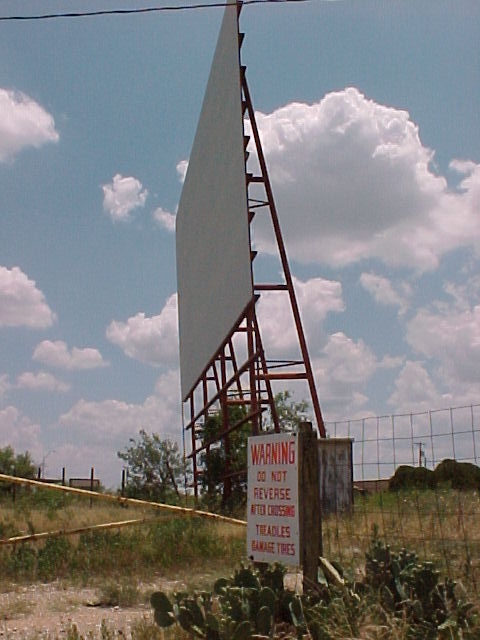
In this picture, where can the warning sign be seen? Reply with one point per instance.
(273, 519)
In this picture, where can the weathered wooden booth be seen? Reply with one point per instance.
(335, 470)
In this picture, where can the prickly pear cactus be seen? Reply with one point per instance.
(162, 609)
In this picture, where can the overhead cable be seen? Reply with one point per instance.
(109, 12)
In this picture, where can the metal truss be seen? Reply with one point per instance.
(239, 374)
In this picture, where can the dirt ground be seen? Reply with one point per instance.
(50, 610)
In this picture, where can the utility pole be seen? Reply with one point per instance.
(421, 453)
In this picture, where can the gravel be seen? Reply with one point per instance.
(49, 611)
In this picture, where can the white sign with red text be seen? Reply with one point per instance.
(273, 519)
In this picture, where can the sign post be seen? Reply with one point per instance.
(309, 504)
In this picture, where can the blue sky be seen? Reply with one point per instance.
(369, 117)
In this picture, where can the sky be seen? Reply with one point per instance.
(369, 117)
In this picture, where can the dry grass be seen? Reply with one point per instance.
(171, 545)
(14, 607)
(439, 525)
(63, 512)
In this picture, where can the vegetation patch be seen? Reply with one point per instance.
(399, 597)
(461, 476)
(166, 545)
(119, 593)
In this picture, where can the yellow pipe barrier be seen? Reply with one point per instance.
(186, 511)
(33, 537)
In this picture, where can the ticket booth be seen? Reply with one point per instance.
(335, 467)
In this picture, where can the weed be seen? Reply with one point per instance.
(123, 593)
(53, 558)
(174, 545)
(8, 528)
(399, 598)
(106, 633)
(15, 608)
(21, 563)
(144, 629)
(73, 633)
(443, 524)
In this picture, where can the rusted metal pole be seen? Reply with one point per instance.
(284, 261)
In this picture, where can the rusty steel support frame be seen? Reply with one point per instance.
(264, 179)
(224, 382)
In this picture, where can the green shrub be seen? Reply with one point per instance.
(168, 544)
(104, 552)
(145, 630)
(22, 562)
(397, 592)
(458, 475)
(119, 593)
(406, 477)
(53, 559)
(187, 541)
(8, 529)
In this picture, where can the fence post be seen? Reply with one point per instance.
(14, 486)
(92, 476)
(309, 503)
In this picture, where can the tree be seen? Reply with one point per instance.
(223, 481)
(155, 468)
(290, 413)
(20, 465)
(224, 469)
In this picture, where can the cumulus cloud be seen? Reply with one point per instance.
(451, 338)
(101, 420)
(41, 381)
(19, 432)
(352, 180)
(150, 340)
(349, 361)
(78, 459)
(446, 338)
(465, 294)
(343, 370)
(165, 219)
(5, 385)
(316, 298)
(122, 196)
(56, 354)
(100, 429)
(182, 167)
(115, 420)
(415, 389)
(23, 123)
(383, 291)
(21, 303)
